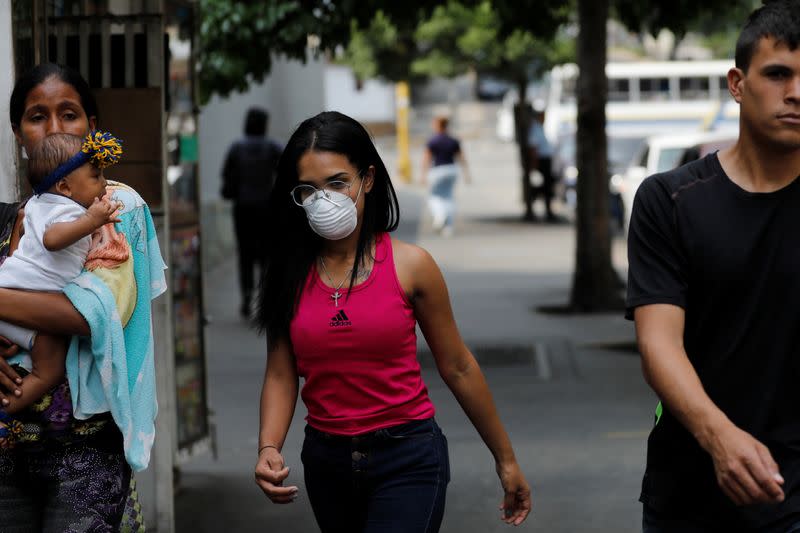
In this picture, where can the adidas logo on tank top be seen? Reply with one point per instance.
(340, 320)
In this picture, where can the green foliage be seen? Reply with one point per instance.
(450, 40)
(463, 35)
(721, 43)
(453, 37)
(514, 39)
(379, 50)
(238, 40)
(681, 16)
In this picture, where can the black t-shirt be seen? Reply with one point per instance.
(443, 148)
(249, 171)
(731, 260)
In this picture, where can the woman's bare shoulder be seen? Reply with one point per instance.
(410, 257)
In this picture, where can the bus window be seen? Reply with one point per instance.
(619, 90)
(669, 158)
(694, 88)
(724, 93)
(654, 89)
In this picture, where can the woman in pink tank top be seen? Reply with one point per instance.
(340, 302)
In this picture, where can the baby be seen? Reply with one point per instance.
(66, 173)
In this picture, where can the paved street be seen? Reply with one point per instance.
(568, 390)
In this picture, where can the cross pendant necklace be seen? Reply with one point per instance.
(336, 294)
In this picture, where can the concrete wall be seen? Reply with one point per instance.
(292, 93)
(8, 147)
(373, 103)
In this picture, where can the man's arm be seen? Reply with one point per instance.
(229, 178)
(745, 469)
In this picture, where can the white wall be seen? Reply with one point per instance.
(292, 93)
(8, 150)
(373, 103)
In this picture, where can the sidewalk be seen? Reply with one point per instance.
(577, 415)
(499, 269)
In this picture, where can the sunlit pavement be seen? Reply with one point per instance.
(568, 388)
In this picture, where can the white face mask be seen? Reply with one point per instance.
(332, 215)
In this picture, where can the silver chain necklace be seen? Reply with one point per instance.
(336, 294)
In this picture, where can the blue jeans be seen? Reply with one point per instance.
(441, 200)
(393, 480)
(655, 522)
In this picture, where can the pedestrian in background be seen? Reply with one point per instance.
(540, 152)
(247, 179)
(340, 304)
(439, 159)
(714, 288)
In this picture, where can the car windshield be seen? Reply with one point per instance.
(669, 158)
(620, 150)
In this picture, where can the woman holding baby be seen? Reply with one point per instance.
(58, 471)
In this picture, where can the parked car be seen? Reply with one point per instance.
(621, 148)
(660, 153)
(489, 88)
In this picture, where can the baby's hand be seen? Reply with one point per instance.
(102, 211)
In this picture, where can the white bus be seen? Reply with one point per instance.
(643, 97)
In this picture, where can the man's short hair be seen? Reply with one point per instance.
(779, 19)
(255, 124)
(51, 152)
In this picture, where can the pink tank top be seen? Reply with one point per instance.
(359, 359)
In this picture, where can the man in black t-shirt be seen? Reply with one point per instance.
(714, 288)
(247, 179)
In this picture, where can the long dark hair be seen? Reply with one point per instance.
(38, 74)
(292, 247)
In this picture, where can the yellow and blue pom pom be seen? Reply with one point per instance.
(103, 148)
(100, 149)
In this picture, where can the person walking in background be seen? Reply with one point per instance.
(540, 152)
(247, 179)
(714, 289)
(340, 304)
(442, 151)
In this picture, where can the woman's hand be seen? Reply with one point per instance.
(517, 503)
(270, 473)
(9, 380)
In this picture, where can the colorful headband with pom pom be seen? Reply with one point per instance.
(101, 149)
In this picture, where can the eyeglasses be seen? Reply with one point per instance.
(306, 194)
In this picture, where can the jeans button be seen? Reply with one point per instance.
(356, 456)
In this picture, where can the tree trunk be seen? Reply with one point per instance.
(522, 121)
(595, 285)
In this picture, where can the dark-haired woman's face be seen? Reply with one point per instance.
(320, 168)
(52, 107)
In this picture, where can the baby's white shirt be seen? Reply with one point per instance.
(34, 267)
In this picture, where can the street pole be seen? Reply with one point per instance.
(8, 145)
(403, 158)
